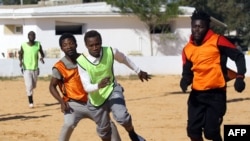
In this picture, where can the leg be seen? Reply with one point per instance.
(67, 127)
(71, 120)
(215, 113)
(27, 75)
(100, 115)
(120, 113)
(196, 117)
(115, 134)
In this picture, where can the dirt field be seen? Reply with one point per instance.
(158, 109)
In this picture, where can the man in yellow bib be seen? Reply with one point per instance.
(96, 72)
(28, 57)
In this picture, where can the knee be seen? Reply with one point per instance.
(104, 132)
(123, 118)
(69, 124)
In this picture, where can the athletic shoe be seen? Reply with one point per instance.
(140, 138)
(31, 105)
(136, 137)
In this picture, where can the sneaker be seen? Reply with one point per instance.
(136, 137)
(140, 138)
(31, 105)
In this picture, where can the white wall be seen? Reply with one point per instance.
(157, 65)
(128, 34)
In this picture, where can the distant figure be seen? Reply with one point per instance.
(204, 66)
(3, 54)
(28, 57)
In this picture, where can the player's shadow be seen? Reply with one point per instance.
(178, 92)
(153, 96)
(26, 116)
(50, 104)
(21, 117)
(237, 99)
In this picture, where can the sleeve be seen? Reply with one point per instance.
(230, 50)
(122, 58)
(56, 74)
(86, 81)
(187, 73)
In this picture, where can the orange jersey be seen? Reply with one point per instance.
(206, 64)
(71, 85)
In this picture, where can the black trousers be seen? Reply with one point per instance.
(205, 113)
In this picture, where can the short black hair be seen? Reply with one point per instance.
(66, 35)
(200, 15)
(92, 33)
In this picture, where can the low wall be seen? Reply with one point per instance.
(157, 65)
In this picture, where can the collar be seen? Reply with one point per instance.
(207, 36)
(92, 58)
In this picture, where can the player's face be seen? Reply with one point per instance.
(199, 29)
(31, 36)
(94, 45)
(69, 47)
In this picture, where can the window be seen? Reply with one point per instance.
(74, 28)
(160, 29)
(13, 29)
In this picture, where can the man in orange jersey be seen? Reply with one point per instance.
(74, 97)
(204, 66)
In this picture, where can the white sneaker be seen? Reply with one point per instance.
(31, 105)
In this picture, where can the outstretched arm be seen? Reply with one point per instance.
(122, 58)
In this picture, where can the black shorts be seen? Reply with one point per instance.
(205, 113)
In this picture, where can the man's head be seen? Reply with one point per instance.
(31, 36)
(93, 42)
(200, 24)
(68, 44)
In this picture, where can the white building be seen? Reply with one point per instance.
(125, 32)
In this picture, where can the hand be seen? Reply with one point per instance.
(184, 84)
(239, 84)
(65, 107)
(21, 64)
(42, 61)
(144, 75)
(104, 82)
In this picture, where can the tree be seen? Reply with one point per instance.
(154, 13)
(235, 13)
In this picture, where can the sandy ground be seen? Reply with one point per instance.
(158, 109)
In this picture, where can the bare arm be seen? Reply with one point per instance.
(21, 57)
(54, 82)
(42, 54)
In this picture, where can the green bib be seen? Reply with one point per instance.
(30, 56)
(97, 72)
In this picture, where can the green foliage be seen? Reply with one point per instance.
(235, 13)
(152, 12)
